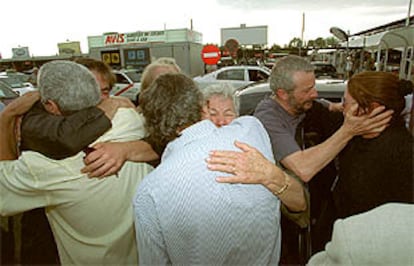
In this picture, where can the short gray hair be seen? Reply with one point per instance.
(149, 74)
(223, 89)
(282, 72)
(169, 61)
(70, 85)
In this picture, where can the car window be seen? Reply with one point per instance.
(325, 70)
(121, 78)
(257, 75)
(231, 74)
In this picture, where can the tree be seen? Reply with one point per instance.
(319, 42)
(311, 44)
(332, 41)
(275, 48)
(295, 43)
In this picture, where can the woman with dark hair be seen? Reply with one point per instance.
(376, 168)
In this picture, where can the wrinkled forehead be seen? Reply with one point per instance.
(221, 102)
(303, 80)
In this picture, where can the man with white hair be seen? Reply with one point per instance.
(92, 220)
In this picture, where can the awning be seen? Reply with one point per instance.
(396, 38)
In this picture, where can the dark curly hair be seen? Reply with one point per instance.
(171, 103)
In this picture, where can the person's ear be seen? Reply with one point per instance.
(373, 105)
(204, 112)
(52, 107)
(282, 94)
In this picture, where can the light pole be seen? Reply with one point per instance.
(407, 21)
(343, 36)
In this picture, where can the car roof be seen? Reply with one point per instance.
(244, 67)
(321, 84)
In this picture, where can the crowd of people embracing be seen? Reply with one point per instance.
(178, 177)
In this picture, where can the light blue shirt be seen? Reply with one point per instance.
(183, 216)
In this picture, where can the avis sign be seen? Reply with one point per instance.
(210, 54)
(116, 38)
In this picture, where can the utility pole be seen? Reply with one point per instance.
(302, 33)
(407, 21)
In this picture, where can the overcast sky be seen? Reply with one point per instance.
(41, 24)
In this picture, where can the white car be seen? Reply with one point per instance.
(128, 84)
(237, 76)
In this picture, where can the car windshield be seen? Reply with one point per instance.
(135, 76)
(325, 70)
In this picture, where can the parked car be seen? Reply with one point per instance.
(21, 76)
(128, 83)
(16, 84)
(324, 70)
(6, 95)
(237, 76)
(250, 95)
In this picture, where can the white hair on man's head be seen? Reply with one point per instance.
(70, 85)
(224, 90)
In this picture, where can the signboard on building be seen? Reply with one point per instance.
(136, 58)
(245, 35)
(20, 52)
(138, 37)
(69, 48)
(134, 37)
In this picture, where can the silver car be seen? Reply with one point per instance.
(237, 76)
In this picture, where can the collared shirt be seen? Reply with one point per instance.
(183, 216)
(281, 127)
(91, 219)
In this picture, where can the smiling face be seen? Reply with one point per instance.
(220, 110)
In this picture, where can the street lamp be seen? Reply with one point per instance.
(343, 36)
(338, 33)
